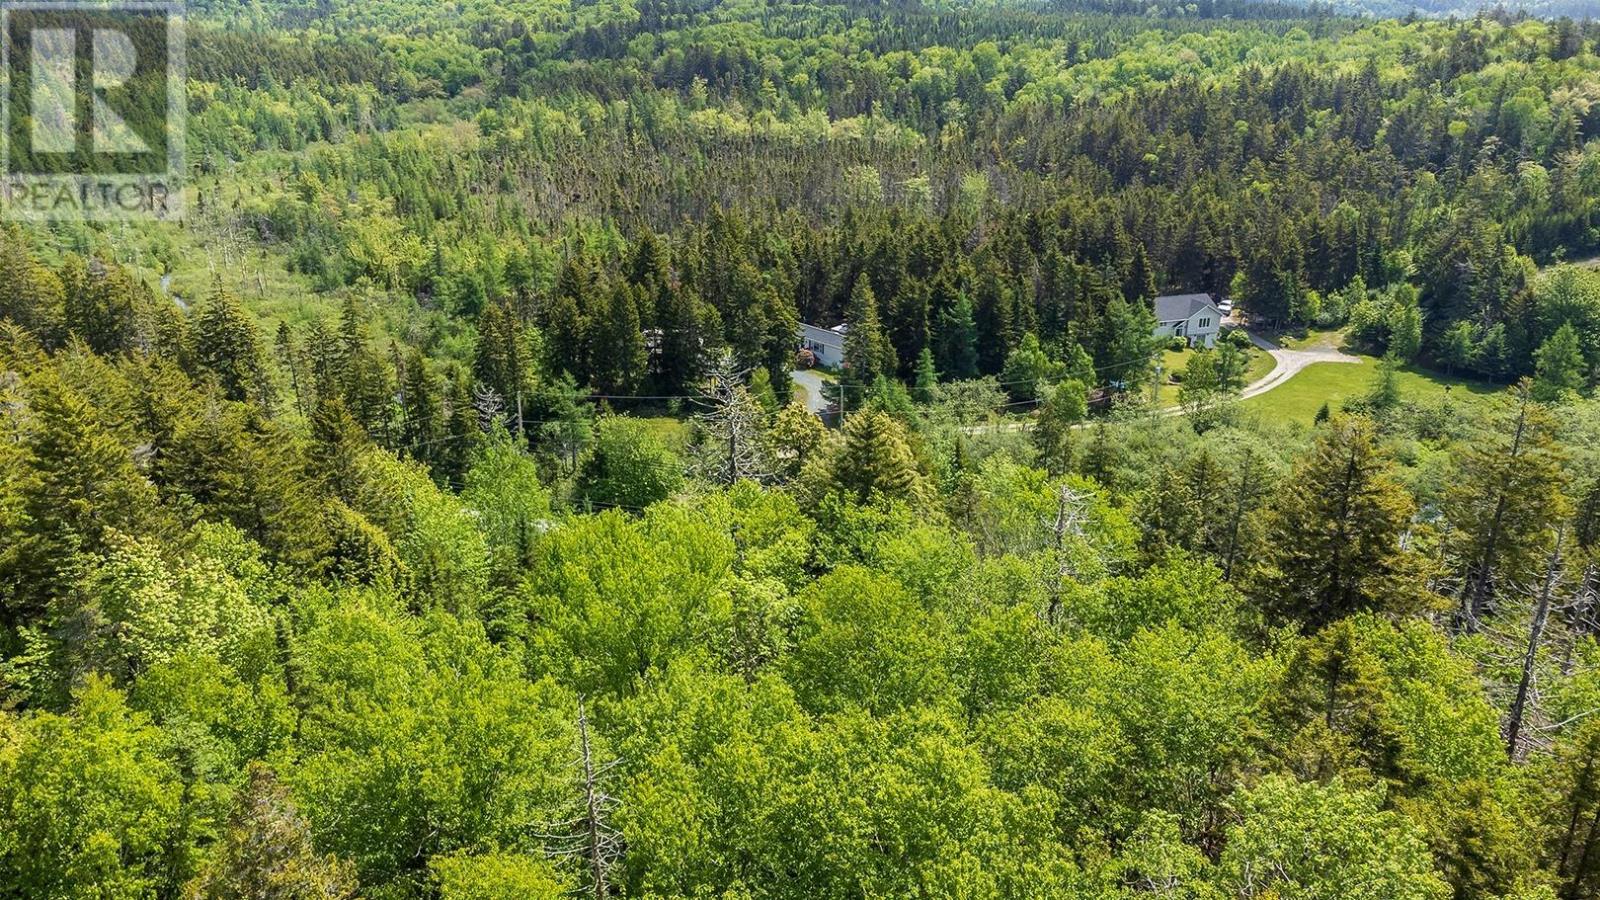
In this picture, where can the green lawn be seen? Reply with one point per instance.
(1313, 339)
(1261, 363)
(674, 433)
(1336, 383)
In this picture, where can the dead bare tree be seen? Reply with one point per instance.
(1071, 511)
(587, 834)
(490, 406)
(1541, 615)
(734, 426)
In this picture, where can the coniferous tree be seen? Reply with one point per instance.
(462, 434)
(1335, 533)
(875, 460)
(565, 336)
(33, 296)
(909, 324)
(227, 344)
(422, 412)
(104, 307)
(337, 442)
(566, 423)
(797, 436)
(266, 852)
(994, 316)
(79, 483)
(868, 354)
(1507, 493)
(246, 473)
(504, 361)
(366, 379)
(958, 340)
(1127, 346)
(1574, 818)
(616, 341)
(732, 425)
(679, 356)
(927, 381)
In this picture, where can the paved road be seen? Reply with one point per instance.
(815, 390)
(1289, 363)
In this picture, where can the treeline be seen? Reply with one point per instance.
(1033, 179)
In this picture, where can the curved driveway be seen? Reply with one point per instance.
(1289, 363)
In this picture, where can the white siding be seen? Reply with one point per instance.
(825, 343)
(1200, 328)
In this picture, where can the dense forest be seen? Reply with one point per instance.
(434, 512)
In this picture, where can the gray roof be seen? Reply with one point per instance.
(1179, 307)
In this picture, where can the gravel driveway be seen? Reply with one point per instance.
(815, 390)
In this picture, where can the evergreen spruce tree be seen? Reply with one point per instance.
(337, 442)
(565, 331)
(1335, 533)
(927, 383)
(503, 362)
(875, 459)
(266, 852)
(462, 434)
(228, 345)
(32, 296)
(1505, 497)
(616, 342)
(679, 360)
(79, 483)
(867, 351)
(366, 378)
(422, 413)
(958, 340)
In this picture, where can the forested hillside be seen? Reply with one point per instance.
(435, 513)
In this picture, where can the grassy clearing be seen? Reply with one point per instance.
(1313, 339)
(1175, 361)
(1335, 384)
(674, 433)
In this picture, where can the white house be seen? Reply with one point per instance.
(826, 344)
(1193, 317)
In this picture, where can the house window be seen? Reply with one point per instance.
(1205, 323)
